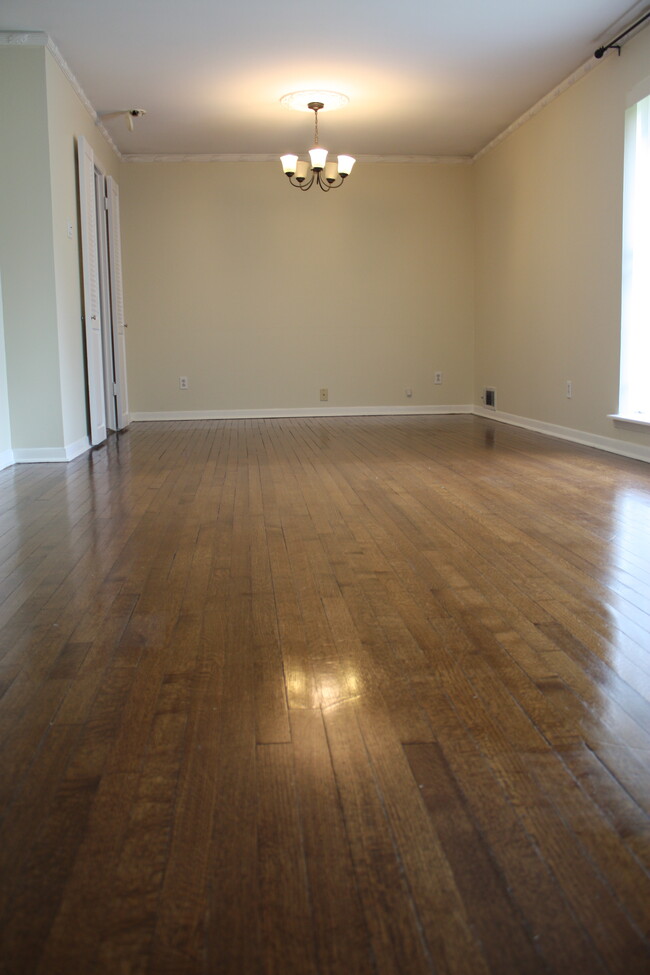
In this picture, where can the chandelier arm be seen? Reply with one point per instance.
(300, 184)
(318, 178)
(325, 186)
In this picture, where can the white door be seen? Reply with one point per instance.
(117, 303)
(91, 299)
(101, 211)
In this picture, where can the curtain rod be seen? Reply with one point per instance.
(614, 43)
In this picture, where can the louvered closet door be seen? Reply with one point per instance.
(117, 303)
(91, 302)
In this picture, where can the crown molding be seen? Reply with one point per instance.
(85, 101)
(198, 157)
(438, 160)
(23, 38)
(41, 39)
(210, 157)
(576, 76)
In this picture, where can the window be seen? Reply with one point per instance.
(634, 396)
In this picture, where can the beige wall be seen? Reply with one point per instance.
(41, 119)
(261, 295)
(26, 255)
(548, 255)
(6, 452)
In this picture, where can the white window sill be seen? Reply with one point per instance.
(642, 419)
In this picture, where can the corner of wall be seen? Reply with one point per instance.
(6, 452)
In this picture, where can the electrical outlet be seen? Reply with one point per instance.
(324, 395)
(183, 382)
(408, 392)
(437, 378)
(569, 389)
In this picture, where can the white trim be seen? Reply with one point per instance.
(638, 93)
(77, 448)
(50, 455)
(271, 414)
(237, 157)
(635, 418)
(542, 103)
(40, 455)
(610, 444)
(85, 101)
(41, 39)
(438, 160)
(563, 86)
(23, 38)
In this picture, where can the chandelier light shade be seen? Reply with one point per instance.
(318, 171)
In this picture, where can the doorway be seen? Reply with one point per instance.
(103, 301)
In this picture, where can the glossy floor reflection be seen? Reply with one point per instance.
(352, 695)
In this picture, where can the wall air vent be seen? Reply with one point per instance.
(490, 398)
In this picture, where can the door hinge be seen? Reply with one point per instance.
(114, 389)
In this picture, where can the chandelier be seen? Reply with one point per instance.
(318, 171)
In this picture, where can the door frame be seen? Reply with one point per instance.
(103, 302)
(92, 311)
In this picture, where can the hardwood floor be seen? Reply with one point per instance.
(358, 696)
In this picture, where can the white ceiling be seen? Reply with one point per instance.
(424, 77)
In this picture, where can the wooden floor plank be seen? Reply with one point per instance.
(285, 906)
(508, 945)
(232, 935)
(341, 936)
(32, 909)
(325, 695)
(391, 918)
(559, 937)
(178, 942)
(495, 724)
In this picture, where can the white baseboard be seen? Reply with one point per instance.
(41, 455)
(77, 448)
(610, 444)
(272, 414)
(50, 455)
